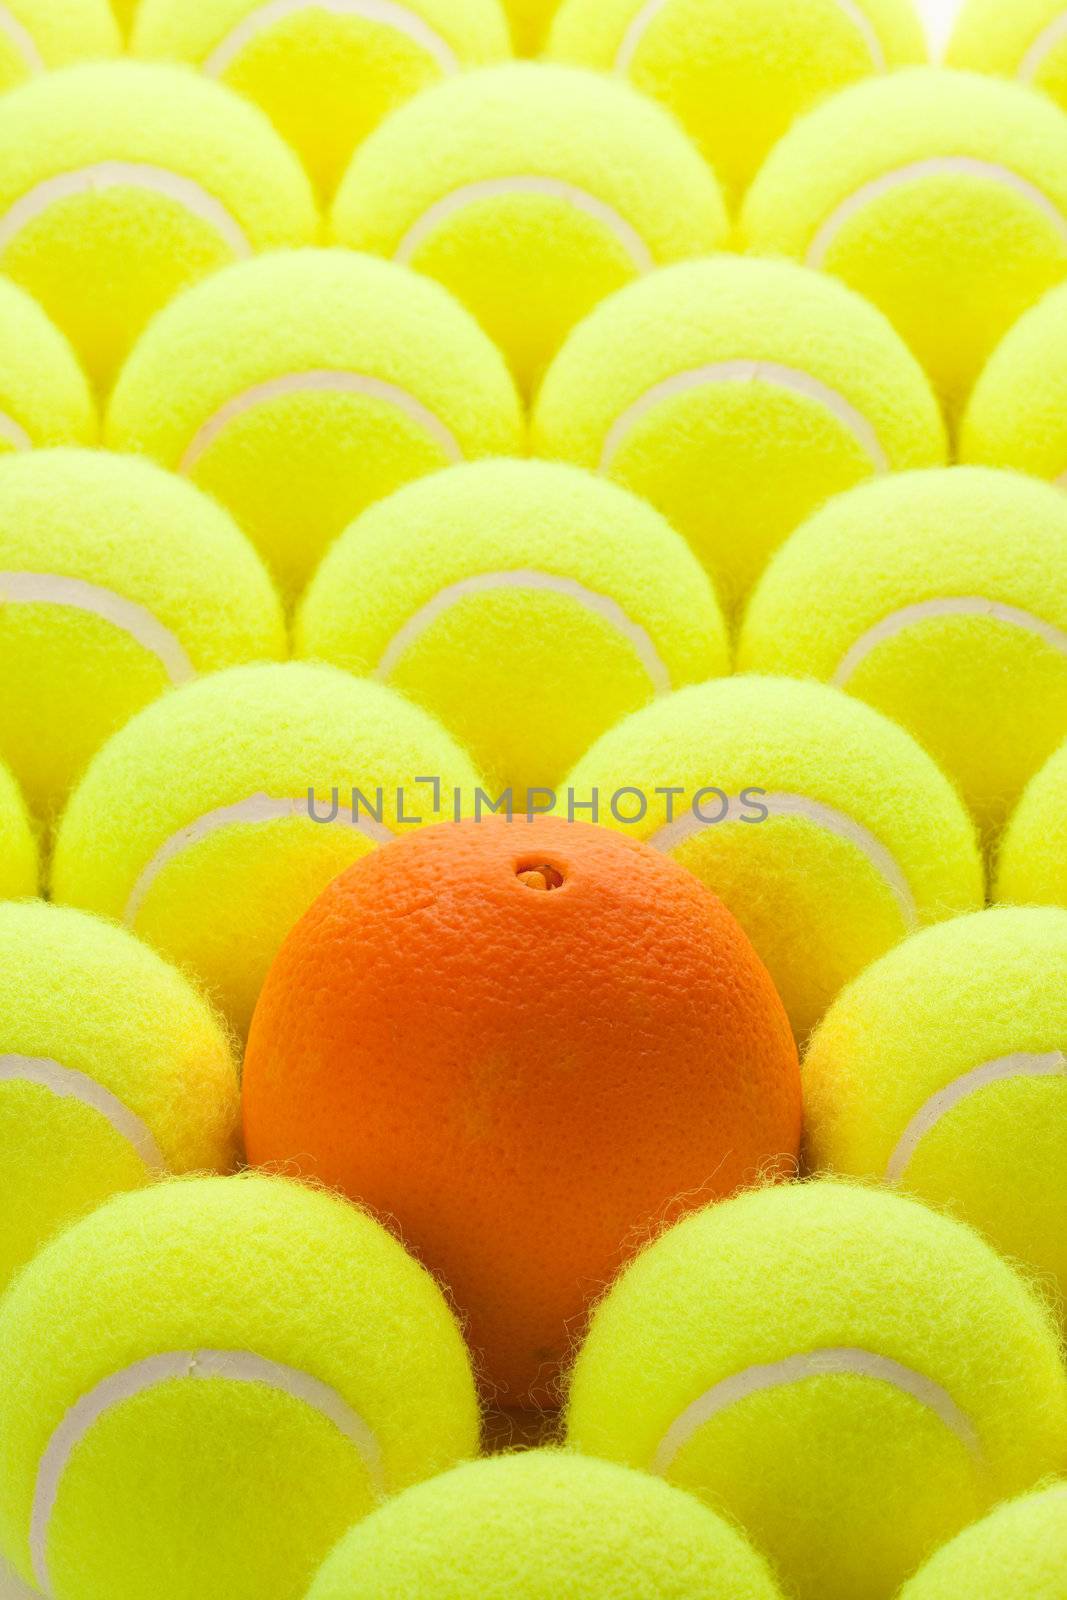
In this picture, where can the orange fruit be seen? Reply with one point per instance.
(526, 1045)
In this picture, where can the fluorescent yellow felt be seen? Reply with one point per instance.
(1016, 414)
(193, 823)
(940, 195)
(737, 396)
(941, 599)
(1018, 1552)
(121, 183)
(113, 1071)
(565, 604)
(38, 35)
(44, 395)
(848, 1374)
(737, 76)
(304, 386)
(19, 865)
(1026, 40)
(325, 75)
(531, 192)
(943, 1069)
(238, 1370)
(824, 827)
(117, 583)
(542, 1524)
(1031, 867)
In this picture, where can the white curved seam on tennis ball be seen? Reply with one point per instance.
(1049, 39)
(744, 371)
(933, 167)
(933, 610)
(555, 188)
(68, 1084)
(838, 823)
(634, 36)
(844, 1361)
(325, 381)
(939, 1105)
(257, 809)
(48, 588)
(235, 1366)
(14, 433)
(22, 39)
(185, 192)
(398, 17)
(600, 605)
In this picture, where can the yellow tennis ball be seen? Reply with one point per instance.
(850, 1376)
(1032, 859)
(122, 182)
(548, 188)
(1017, 1552)
(565, 604)
(19, 864)
(736, 76)
(540, 1525)
(215, 817)
(530, 22)
(941, 599)
(117, 581)
(940, 195)
(324, 74)
(1017, 413)
(44, 394)
(113, 1072)
(737, 396)
(943, 1069)
(39, 35)
(824, 827)
(1026, 40)
(205, 1383)
(301, 387)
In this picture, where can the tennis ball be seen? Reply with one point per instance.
(116, 582)
(1015, 416)
(825, 828)
(597, 1045)
(1018, 1552)
(113, 1072)
(566, 604)
(850, 1376)
(39, 35)
(940, 195)
(44, 395)
(941, 599)
(543, 1524)
(530, 23)
(122, 182)
(324, 74)
(549, 187)
(19, 864)
(210, 822)
(1025, 40)
(300, 387)
(735, 76)
(205, 1383)
(1032, 860)
(943, 1068)
(737, 395)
